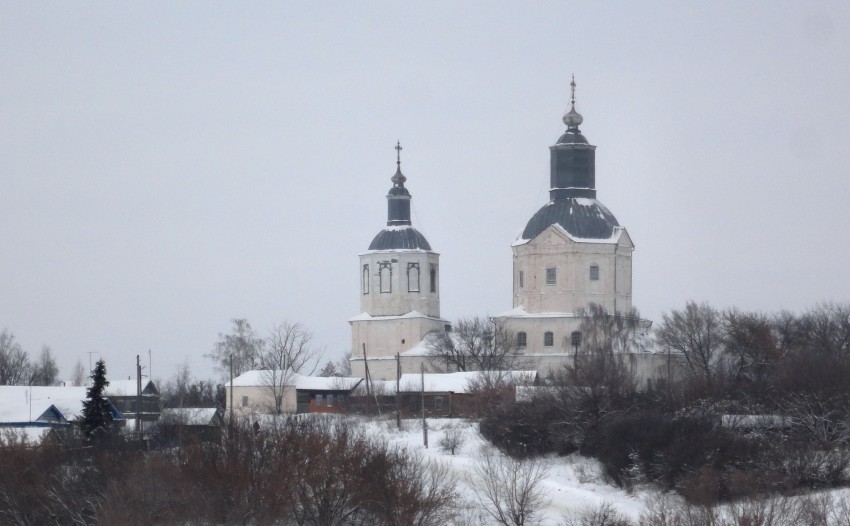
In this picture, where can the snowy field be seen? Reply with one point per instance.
(573, 483)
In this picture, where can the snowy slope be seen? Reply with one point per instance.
(573, 483)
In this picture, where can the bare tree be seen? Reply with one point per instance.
(78, 374)
(45, 371)
(696, 335)
(605, 514)
(750, 344)
(286, 353)
(509, 489)
(474, 344)
(15, 366)
(826, 329)
(453, 438)
(242, 346)
(616, 332)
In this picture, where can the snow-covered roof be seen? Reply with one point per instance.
(459, 382)
(581, 219)
(191, 416)
(520, 312)
(365, 316)
(128, 388)
(263, 377)
(22, 403)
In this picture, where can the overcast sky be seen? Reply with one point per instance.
(165, 167)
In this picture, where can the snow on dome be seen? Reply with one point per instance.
(581, 218)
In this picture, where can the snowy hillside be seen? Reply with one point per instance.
(572, 484)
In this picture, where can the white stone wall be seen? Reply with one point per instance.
(390, 335)
(260, 400)
(572, 260)
(384, 368)
(402, 296)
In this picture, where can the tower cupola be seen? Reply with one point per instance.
(399, 233)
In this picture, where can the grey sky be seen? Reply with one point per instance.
(165, 167)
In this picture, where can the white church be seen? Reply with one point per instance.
(571, 253)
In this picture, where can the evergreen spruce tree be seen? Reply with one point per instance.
(97, 419)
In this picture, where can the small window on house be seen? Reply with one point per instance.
(521, 279)
(319, 400)
(330, 400)
(365, 279)
(433, 278)
(521, 340)
(244, 401)
(438, 402)
(413, 277)
(385, 276)
(551, 276)
(548, 339)
(594, 272)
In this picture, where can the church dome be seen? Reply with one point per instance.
(403, 237)
(581, 217)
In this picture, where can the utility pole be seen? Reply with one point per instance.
(231, 395)
(422, 398)
(397, 389)
(138, 397)
(90, 353)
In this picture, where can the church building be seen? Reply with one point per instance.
(572, 254)
(399, 289)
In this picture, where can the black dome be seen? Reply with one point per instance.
(581, 217)
(400, 237)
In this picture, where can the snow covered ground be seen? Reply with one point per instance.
(573, 483)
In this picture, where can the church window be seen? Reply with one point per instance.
(365, 279)
(433, 278)
(521, 279)
(594, 273)
(551, 276)
(521, 340)
(548, 339)
(575, 339)
(385, 276)
(413, 277)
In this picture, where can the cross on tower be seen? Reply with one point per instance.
(398, 149)
(573, 91)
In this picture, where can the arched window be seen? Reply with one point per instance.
(594, 273)
(521, 340)
(433, 277)
(413, 277)
(548, 339)
(365, 279)
(385, 276)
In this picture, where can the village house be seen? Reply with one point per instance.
(255, 392)
(35, 411)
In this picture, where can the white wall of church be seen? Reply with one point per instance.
(395, 282)
(573, 286)
(389, 335)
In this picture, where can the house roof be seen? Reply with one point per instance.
(460, 382)
(129, 388)
(191, 416)
(42, 404)
(262, 377)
